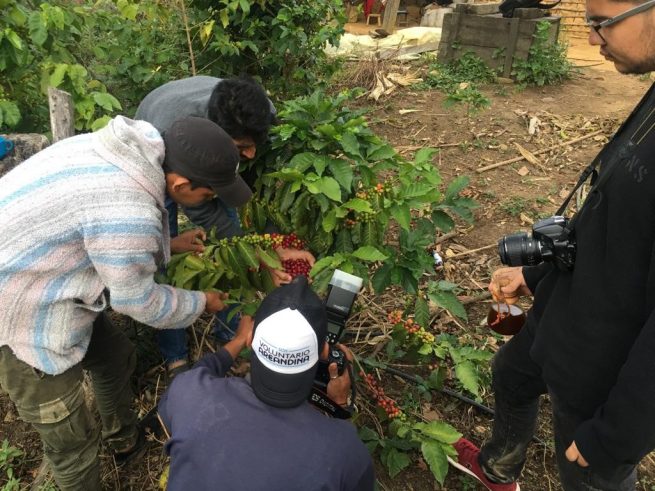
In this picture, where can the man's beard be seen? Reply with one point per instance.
(632, 67)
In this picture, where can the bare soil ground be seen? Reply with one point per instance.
(510, 198)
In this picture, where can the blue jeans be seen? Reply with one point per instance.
(517, 386)
(173, 342)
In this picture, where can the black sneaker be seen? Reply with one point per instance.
(137, 450)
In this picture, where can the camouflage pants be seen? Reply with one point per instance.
(54, 405)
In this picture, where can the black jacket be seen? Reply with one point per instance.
(594, 327)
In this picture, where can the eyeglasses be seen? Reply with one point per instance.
(597, 26)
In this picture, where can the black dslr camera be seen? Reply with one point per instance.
(550, 241)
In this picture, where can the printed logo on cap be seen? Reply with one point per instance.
(285, 342)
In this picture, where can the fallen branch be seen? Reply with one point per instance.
(539, 152)
(472, 251)
(444, 237)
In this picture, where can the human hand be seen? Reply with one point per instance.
(242, 337)
(574, 455)
(508, 284)
(338, 388)
(295, 254)
(189, 241)
(246, 325)
(215, 301)
(281, 277)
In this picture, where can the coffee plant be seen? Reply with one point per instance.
(328, 178)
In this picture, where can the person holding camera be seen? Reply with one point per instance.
(261, 432)
(589, 338)
(85, 228)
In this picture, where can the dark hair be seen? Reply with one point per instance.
(240, 106)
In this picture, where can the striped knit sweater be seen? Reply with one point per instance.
(83, 216)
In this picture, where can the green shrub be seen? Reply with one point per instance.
(546, 64)
(459, 80)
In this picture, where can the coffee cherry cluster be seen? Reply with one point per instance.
(365, 217)
(289, 241)
(266, 241)
(296, 267)
(396, 318)
(379, 188)
(389, 405)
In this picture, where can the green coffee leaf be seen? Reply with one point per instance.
(269, 259)
(369, 253)
(381, 153)
(439, 430)
(436, 460)
(106, 101)
(424, 155)
(13, 38)
(455, 187)
(401, 213)
(329, 222)
(448, 300)
(421, 312)
(395, 461)
(468, 376)
(9, 114)
(358, 204)
(328, 186)
(342, 172)
(350, 144)
(38, 28)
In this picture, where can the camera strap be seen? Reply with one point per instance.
(598, 179)
(320, 399)
(590, 170)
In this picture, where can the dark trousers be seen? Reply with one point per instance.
(518, 385)
(55, 405)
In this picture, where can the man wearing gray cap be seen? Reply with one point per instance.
(85, 227)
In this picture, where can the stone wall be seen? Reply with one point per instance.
(25, 145)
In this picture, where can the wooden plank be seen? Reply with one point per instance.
(62, 114)
(489, 31)
(448, 36)
(390, 14)
(512, 39)
(486, 54)
(528, 13)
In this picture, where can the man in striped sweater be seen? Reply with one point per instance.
(84, 227)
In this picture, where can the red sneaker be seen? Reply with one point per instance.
(467, 461)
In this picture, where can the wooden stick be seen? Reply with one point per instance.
(62, 114)
(538, 152)
(472, 251)
(444, 237)
(188, 38)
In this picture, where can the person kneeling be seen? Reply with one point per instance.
(261, 432)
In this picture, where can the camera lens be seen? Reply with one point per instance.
(519, 250)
